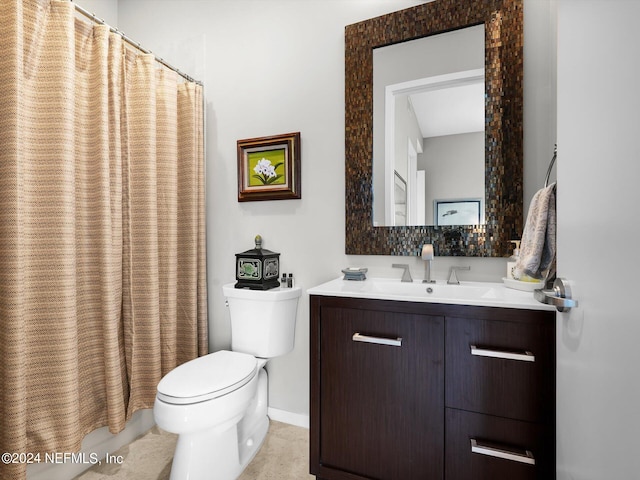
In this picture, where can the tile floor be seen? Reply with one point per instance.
(283, 456)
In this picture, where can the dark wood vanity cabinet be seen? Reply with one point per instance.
(403, 390)
(376, 400)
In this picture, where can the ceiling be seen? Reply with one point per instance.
(450, 111)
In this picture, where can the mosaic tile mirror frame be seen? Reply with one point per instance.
(503, 133)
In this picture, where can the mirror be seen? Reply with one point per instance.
(501, 204)
(428, 128)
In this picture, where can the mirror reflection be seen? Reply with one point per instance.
(429, 130)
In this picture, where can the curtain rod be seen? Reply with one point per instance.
(133, 43)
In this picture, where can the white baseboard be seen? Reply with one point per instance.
(297, 419)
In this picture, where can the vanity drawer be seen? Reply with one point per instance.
(503, 368)
(483, 447)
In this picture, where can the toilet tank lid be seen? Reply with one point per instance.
(207, 377)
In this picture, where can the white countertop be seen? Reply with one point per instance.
(483, 294)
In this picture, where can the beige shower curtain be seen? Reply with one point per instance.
(102, 261)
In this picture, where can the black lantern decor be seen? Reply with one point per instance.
(258, 268)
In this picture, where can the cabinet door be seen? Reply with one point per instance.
(381, 404)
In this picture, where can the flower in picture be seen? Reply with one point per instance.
(266, 172)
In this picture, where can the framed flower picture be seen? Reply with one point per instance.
(269, 168)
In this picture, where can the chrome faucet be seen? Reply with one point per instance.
(453, 277)
(427, 256)
(406, 274)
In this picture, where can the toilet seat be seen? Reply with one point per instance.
(207, 377)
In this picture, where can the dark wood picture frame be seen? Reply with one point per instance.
(269, 168)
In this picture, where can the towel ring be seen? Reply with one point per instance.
(553, 161)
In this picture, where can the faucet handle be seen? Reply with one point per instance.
(406, 274)
(453, 277)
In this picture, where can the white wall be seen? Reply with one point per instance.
(454, 166)
(106, 10)
(277, 66)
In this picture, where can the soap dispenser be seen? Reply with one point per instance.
(513, 259)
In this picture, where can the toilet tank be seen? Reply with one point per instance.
(263, 322)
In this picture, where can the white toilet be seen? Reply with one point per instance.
(217, 404)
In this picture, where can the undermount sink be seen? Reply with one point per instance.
(466, 293)
(465, 290)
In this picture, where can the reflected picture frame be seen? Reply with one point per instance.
(269, 168)
(458, 212)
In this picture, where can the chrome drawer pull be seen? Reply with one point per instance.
(394, 342)
(525, 356)
(527, 457)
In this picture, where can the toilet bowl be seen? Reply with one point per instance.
(205, 411)
(217, 404)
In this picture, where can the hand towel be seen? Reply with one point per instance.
(538, 244)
